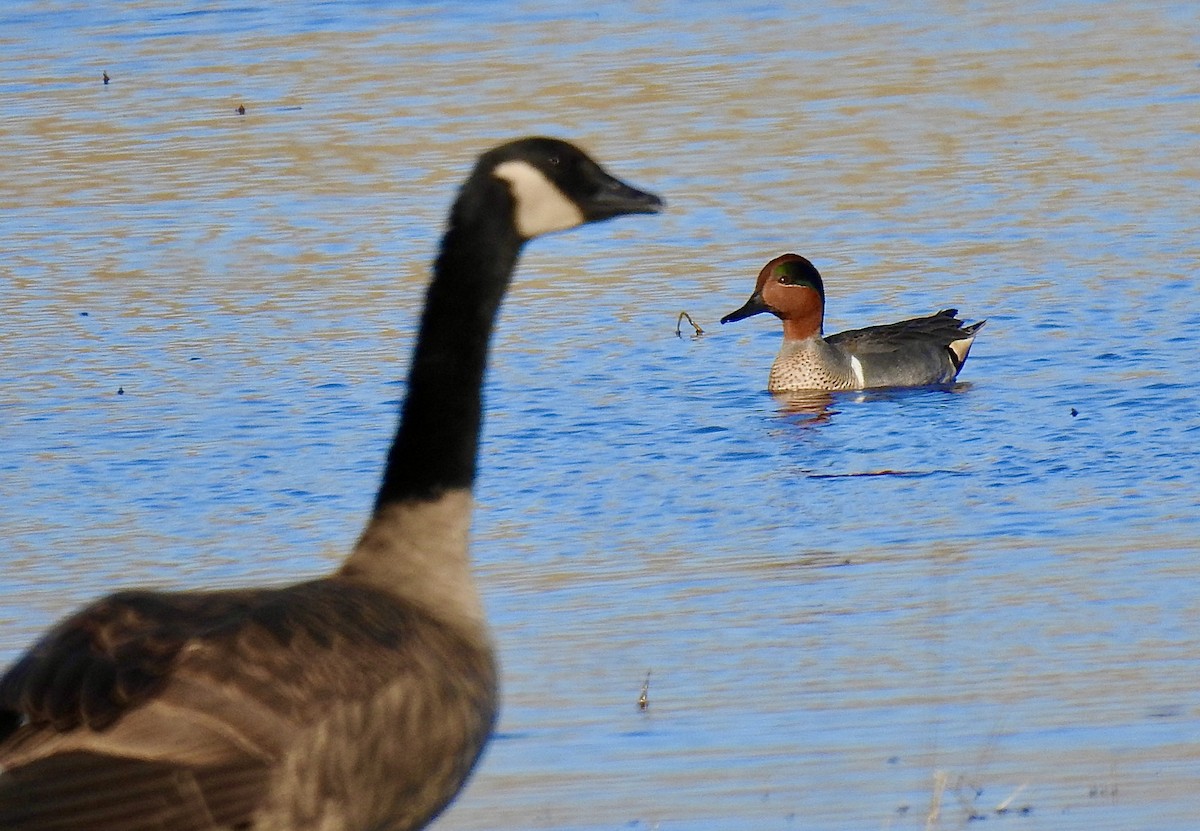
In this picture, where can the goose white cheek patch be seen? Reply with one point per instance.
(540, 206)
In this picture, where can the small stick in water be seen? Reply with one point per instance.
(1002, 808)
(644, 698)
(679, 322)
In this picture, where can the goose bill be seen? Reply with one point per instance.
(615, 198)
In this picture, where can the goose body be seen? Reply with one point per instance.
(361, 700)
(916, 352)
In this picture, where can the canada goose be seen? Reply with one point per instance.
(916, 352)
(357, 701)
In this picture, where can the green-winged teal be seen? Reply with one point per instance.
(912, 353)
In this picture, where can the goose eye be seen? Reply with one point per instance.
(553, 161)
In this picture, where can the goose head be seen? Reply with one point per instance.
(555, 186)
(790, 288)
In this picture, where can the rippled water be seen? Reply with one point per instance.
(887, 610)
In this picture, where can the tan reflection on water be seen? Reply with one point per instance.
(183, 226)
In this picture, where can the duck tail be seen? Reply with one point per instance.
(959, 349)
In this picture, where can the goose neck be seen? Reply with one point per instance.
(437, 441)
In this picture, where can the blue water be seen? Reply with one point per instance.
(883, 610)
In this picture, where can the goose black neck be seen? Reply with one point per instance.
(438, 439)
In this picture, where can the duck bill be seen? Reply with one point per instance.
(754, 306)
(615, 198)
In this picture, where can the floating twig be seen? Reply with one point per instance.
(679, 322)
(1002, 808)
(644, 698)
(935, 800)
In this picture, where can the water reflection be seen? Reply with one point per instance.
(1013, 598)
(817, 405)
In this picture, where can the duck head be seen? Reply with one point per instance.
(790, 288)
(556, 186)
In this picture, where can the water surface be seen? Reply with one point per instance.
(885, 610)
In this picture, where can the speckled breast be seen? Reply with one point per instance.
(804, 370)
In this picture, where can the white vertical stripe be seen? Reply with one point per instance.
(856, 365)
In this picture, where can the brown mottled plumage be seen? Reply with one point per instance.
(356, 702)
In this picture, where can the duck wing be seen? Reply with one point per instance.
(936, 330)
